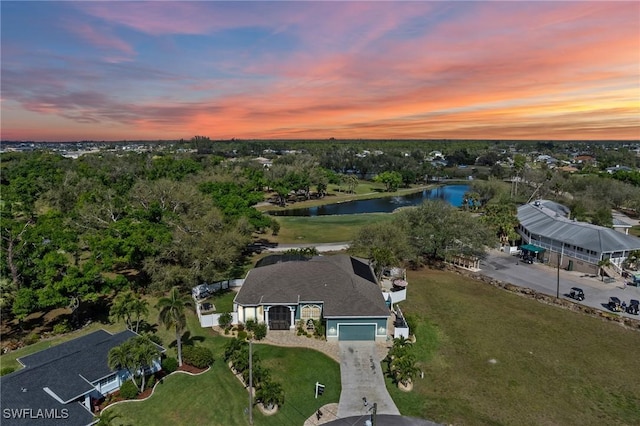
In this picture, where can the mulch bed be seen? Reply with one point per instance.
(191, 369)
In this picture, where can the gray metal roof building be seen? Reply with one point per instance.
(542, 223)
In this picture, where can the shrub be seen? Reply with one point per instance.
(169, 365)
(7, 370)
(61, 327)
(242, 335)
(31, 338)
(412, 323)
(151, 381)
(128, 390)
(224, 320)
(241, 327)
(250, 325)
(260, 331)
(318, 329)
(197, 356)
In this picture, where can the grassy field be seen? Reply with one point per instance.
(491, 357)
(324, 229)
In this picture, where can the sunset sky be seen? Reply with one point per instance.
(116, 70)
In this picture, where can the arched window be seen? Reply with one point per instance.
(310, 312)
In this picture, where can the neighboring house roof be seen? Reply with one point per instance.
(542, 220)
(345, 285)
(55, 377)
(619, 223)
(619, 169)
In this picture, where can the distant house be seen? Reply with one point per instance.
(341, 291)
(619, 169)
(61, 385)
(547, 231)
(264, 162)
(584, 159)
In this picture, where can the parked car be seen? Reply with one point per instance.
(634, 307)
(576, 293)
(527, 259)
(614, 304)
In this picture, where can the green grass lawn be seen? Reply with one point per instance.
(218, 398)
(222, 300)
(552, 366)
(324, 229)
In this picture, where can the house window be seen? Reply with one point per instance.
(310, 312)
(108, 380)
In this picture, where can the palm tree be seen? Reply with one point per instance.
(172, 315)
(127, 306)
(145, 352)
(404, 369)
(121, 358)
(270, 394)
(603, 264)
(139, 309)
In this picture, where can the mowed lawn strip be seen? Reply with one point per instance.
(324, 229)
(493, 357)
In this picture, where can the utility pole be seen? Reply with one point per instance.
(558, 280)
(373, 413)
(250, 385)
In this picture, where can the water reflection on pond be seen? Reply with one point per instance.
(452, 194)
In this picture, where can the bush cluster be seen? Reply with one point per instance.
(257, 329)
(31, 339)
(169, 365)
(197, 356)
(128, 390)
(62, 327)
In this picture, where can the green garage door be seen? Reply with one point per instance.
(357, 332)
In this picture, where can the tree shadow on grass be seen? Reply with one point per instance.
(187, 339)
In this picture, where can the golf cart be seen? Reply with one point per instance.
(576, 293)
(634, 307)
(614, 304)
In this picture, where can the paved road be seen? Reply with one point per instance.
(321, 247)
(543, 279)
(361, 377)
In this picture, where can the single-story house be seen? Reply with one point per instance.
(341, 291)
(545, 226)
(60, 385)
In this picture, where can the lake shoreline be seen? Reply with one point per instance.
(268, 208)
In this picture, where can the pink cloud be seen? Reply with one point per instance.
(101, 38)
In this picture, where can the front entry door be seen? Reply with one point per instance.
(279, 318)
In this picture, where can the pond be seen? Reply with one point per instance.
(452, 194)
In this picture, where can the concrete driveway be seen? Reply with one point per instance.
(362, 377)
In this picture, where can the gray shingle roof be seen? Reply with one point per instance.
(541, 220)
(346, 286)
(66, 370)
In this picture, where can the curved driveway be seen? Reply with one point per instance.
(361, 376)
